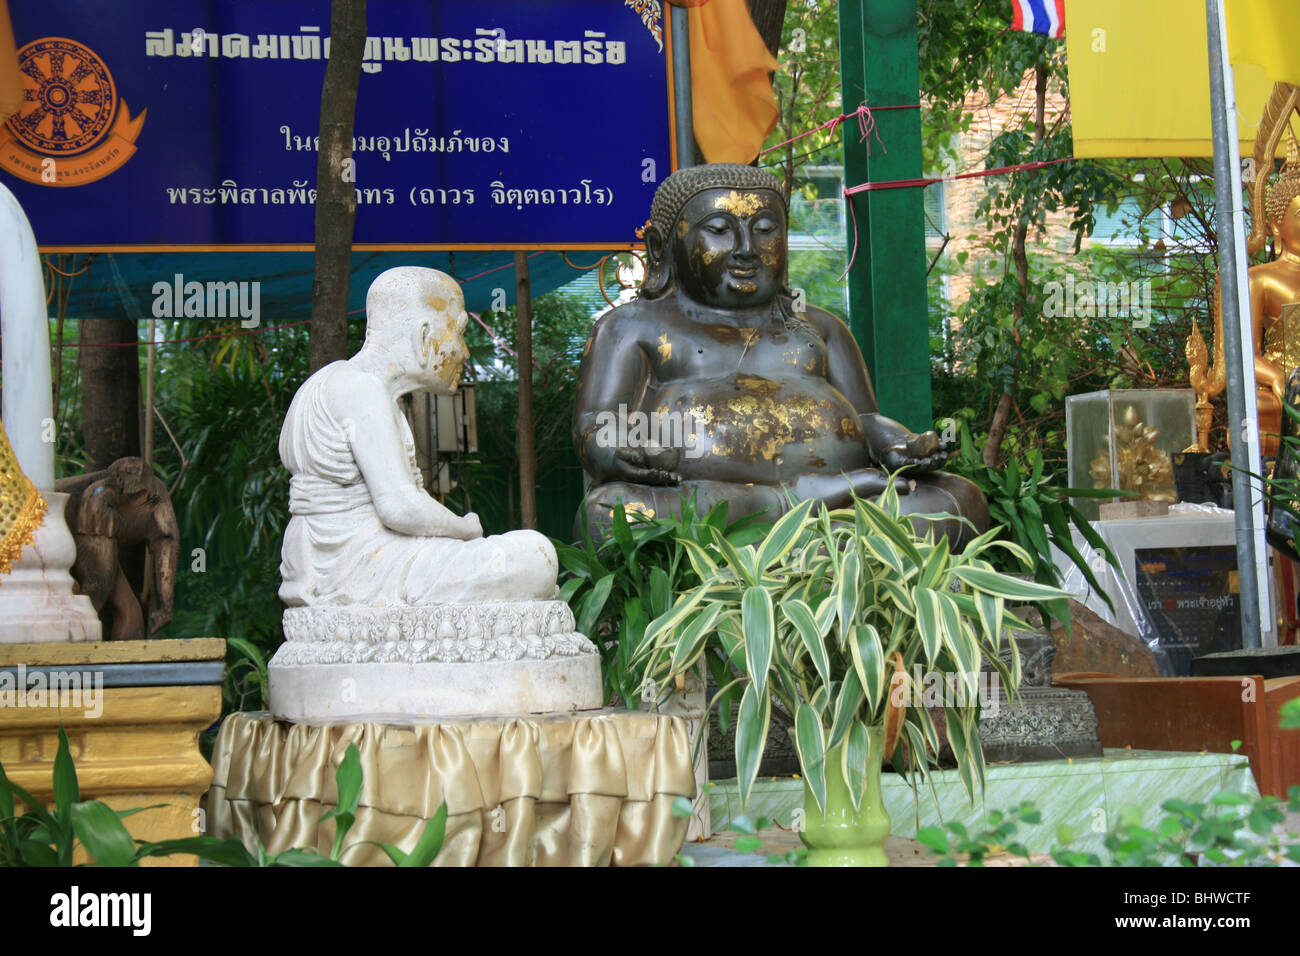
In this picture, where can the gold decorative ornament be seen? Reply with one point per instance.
(22, 509)
(1142, 467)
(1198, 360)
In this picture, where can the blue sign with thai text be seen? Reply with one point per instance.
(171, 124)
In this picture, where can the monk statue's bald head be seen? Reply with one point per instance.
(416, 318)
(398, 293)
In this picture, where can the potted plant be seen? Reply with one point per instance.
(618, 583)
(833, 613)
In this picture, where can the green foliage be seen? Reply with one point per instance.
(749, 840)
(1291, 714)
(824, 613)
(1034, 514)
(995, 836)
(966, 48)
(1028, 197)
(807, 88)
(489, 481)
(41, 837)
(1232, 829)
(817, 272)
(619, 584)
(230, 492)
(1000, 341)
(44, 837)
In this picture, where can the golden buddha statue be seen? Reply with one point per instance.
(1274, 285)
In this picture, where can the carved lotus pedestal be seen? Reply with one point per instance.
(494, 709)
(437, 660)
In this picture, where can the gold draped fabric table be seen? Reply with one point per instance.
(592, 788)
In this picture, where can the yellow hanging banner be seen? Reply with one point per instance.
(1139, 73)
(1266, 33)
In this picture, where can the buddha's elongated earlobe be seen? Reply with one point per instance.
(424, 343)
(659, 263)
(655, 244)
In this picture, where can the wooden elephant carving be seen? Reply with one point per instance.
(111, 511)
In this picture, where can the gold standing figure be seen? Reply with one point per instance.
(1274, 285)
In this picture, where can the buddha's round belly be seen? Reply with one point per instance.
(749, 429)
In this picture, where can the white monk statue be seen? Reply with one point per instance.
(397, 606)
(363, 529)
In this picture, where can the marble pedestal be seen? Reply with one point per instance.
(37, 603)
(438, 660)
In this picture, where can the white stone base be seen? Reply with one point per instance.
(37, 605)
(438, 660)
(329, 693)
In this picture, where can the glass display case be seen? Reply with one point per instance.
(1125, 439)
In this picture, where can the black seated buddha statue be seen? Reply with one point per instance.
(715, 381)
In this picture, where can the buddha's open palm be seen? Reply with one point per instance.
(914, 453)
(650, 466)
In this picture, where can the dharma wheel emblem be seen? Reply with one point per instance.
(68, 97)
(71, 128)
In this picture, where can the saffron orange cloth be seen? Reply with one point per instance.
(11, 81)
(732, 101)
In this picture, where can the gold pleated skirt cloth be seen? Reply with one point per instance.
(587, 789)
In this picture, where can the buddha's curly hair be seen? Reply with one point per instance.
(672, 196)
(1280, 195)
(1287, 185)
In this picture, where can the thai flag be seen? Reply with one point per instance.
(1039, 16)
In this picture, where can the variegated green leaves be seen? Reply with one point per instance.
(829, 613)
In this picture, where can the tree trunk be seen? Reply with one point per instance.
(524, 433)
(768, 17)
(110, 391)
(336, 205)
(1002, 414)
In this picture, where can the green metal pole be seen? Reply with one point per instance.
(888, 312)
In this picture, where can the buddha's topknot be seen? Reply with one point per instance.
(678, 189)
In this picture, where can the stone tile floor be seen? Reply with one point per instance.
(719, 850)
